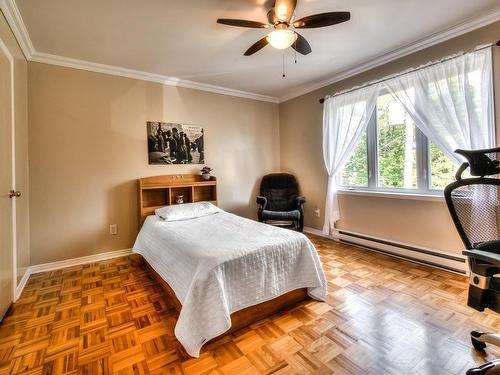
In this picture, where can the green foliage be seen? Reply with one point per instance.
(442, 168)
(391, 156)
(391, 148)
(355, 172)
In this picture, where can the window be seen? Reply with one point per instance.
(442, 168)
(396, 145)
(394, 155)
(355, 172)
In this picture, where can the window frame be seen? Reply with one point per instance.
(423, 164)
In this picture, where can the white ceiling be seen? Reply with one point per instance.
(182, 39)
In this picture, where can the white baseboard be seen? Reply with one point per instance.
(78, 261)
(22, 284)
(317, 232)
(67, 263)
(431, 257)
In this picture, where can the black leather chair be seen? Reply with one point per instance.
(279, 200)
(474, 205)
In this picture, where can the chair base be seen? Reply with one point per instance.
(489, 368)
(484, 292)
(479, 340)
(287, 225)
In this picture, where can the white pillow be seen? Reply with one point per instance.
(186, 211)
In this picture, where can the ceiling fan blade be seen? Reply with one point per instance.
(242, 23)
(301, 45)
(322, 20)
(257, 46)
(283, 9)
(271, 17)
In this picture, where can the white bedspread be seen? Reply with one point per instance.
(223, 263)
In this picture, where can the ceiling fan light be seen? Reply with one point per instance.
(281, 39)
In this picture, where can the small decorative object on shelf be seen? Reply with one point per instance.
(179, 198)
(205, 172)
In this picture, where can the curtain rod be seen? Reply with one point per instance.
(322, 100)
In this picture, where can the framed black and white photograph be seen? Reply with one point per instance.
(170, 143)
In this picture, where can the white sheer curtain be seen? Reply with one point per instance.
(345, 118)
(453, 107)
(451, 102)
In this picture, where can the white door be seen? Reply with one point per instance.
(6, 204)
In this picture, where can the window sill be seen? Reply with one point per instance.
(394, 195)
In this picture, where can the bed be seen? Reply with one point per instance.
(224, 271)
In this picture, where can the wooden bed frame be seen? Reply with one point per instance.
(245, 317)
(159, 191)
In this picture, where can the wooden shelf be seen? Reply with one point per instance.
(202, 183)
(159, 191)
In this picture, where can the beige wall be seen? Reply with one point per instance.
(87, 143)
(422, 223)
(87, 146)
(21, 146)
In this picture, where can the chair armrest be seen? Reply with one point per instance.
(485, 256)
(262, 201)
(299, 201)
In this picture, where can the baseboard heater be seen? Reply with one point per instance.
(431, 258)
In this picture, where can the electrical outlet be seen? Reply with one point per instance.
(316, 211)
(113, 229)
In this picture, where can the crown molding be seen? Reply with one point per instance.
(13, 16)
(384, 58)
(144, 76)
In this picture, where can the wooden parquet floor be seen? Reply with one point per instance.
(382, 316)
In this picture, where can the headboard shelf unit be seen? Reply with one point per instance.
(159, 191)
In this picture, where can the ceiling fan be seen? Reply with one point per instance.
(281, 18)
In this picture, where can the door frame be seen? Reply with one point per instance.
(10, 57)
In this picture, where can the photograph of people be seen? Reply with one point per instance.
(170, 143)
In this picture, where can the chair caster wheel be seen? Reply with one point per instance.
(490, 368)
(478, 345)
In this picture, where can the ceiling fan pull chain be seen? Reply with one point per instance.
(283, 64)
